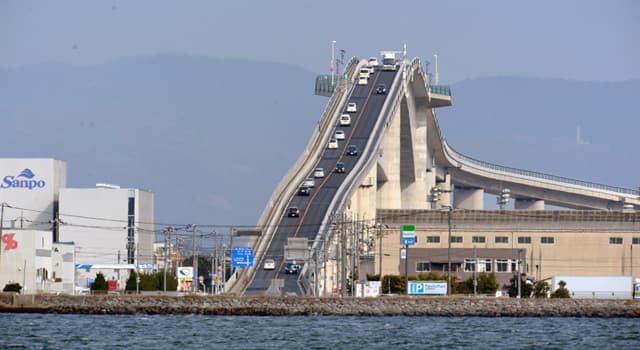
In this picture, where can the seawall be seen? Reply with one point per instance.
(291, 306)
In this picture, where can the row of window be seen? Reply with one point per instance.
(521, 240)
(477, 265)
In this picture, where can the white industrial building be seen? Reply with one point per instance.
(48, 230)
(29, 190)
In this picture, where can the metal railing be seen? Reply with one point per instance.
(461, 158)
(275, 207)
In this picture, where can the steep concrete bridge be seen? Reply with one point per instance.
(404, 162)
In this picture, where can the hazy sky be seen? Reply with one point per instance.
(583, 40)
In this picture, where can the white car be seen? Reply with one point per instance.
(345, 120)
(333, 144)
(309, 182)
(339, 135)
(372, 62)
(318, 173)
(351, 107)
(269, 264)
(363, 81)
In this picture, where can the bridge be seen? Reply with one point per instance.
(404, 162)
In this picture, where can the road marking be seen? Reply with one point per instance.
(359, 115)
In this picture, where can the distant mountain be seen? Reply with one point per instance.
(210, 137)
(531, 124)
(213, 137)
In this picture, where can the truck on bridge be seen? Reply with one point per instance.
(389, 60)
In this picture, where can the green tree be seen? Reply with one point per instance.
(99, 284)
(393, 284)
(541, 289)
(525, 288)
(373, 277)
(12, 287)
(561, 292)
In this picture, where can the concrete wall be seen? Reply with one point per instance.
(556, 243)
(96, 220)
(26, 259)
(32, 207)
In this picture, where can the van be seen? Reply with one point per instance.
(364, 73)
(345, 120)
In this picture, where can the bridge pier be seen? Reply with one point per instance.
(471, 198)
(528, 204)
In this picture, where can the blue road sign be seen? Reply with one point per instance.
(428, 287)
(242, 257)
(408, 235)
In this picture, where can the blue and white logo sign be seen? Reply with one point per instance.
(26, 179)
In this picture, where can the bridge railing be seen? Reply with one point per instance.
(276, 205)
(355, 175)
(461, 158)
(534, 174)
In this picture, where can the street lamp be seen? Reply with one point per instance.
(331, 65)
(447, 208)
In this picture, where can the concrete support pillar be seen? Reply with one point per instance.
(389, 194)
(468, 198)
(445, 191)
(529, 204)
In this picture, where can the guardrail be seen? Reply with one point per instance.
(461, 158)
(355, 175)
(276, 205)
(466, 160)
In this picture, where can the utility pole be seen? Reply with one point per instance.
(195, 280)
(475, 268)
(2, 205)
(519, 273)
(167, 241)
(406, 268)
(214, 263)
(137, 264)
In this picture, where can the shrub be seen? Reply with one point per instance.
(12, 287)
(561, 292)
(100, 283)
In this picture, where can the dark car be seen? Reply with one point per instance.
(304, 191)
(352, 150)
(293, 212)
(291, 268)
(381, 89)
(340, 167)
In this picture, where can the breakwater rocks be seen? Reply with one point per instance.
(291, 306)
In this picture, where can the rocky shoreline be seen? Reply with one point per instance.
(325, 306)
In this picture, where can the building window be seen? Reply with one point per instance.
(502, 265)
(423, 266)
(485, 265)
(469, 265)
(456, 239)
(478, 239)
(615, 240)
(547, 240)
(635, 240)
(433, 239)
(524, 240)
(502, 239)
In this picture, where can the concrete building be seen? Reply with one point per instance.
(29, 190)
(580, 243)
(25, 258)
(109, 225)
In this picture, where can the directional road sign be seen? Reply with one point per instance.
(408, 235)
(242, 257)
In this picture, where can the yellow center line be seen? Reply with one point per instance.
(326, 178)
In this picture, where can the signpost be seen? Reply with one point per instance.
(242, 257)
(408, 235)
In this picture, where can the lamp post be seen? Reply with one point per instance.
(448, 209)
(333, 62)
